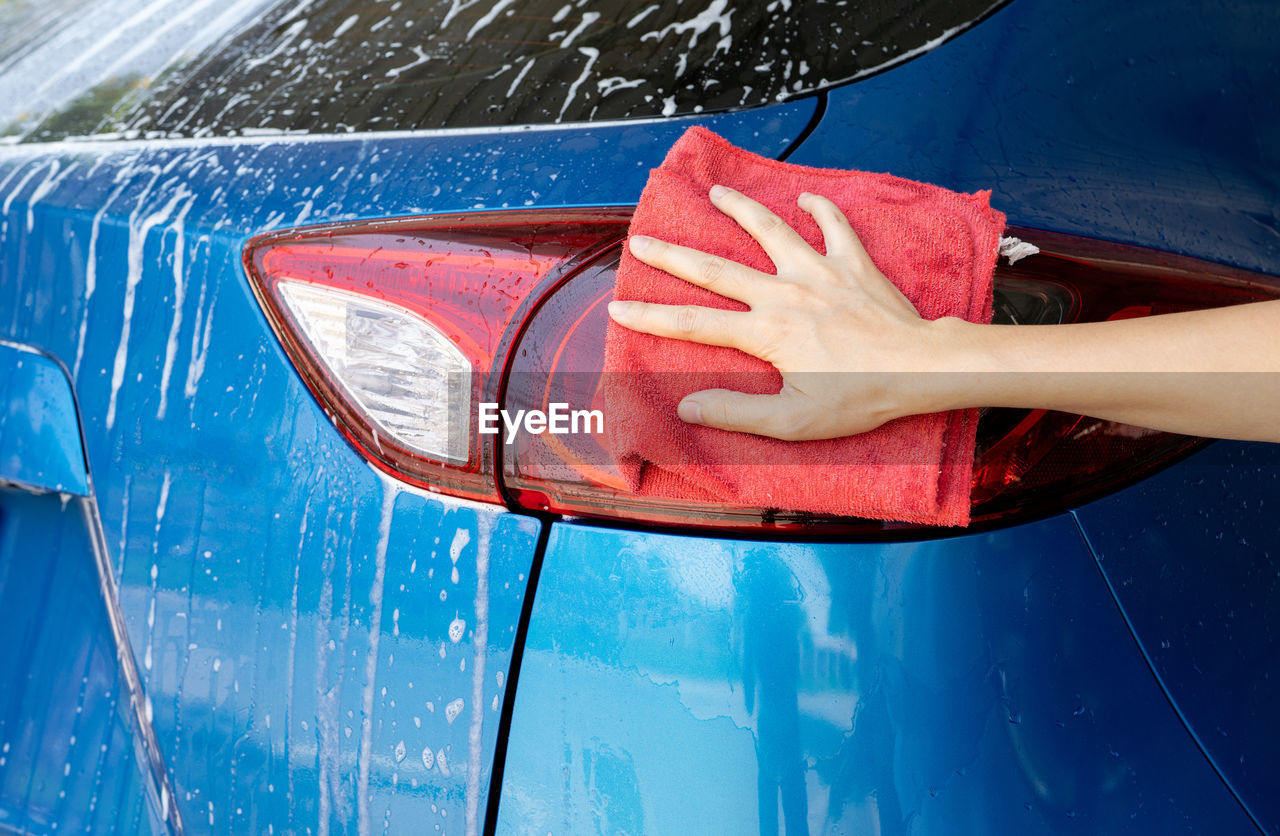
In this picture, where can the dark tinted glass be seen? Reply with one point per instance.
(342, 65)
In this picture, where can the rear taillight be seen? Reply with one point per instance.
(403, 329)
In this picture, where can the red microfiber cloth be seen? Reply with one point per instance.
(939, 247)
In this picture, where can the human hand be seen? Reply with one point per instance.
(850, 347)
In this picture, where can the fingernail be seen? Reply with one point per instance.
(618, 310)
(802, 196)
(718, 192)
(640, 243)
(690, 412)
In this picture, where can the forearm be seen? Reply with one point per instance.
(1214, 373)
(853, 352)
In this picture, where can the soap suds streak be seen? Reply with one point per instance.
(717, 14)
(161, 504)
(295, 29)
(91, 269)
(641, 15)
(292, 657)
(124, 527)
(200, 341)
(22, 305)
(21, 184)
(330, 650)
(389, 494)
(488, 17)
(592, 55)
(50, 182)
(588, 18)
(460, 539)
(480, 639)
(422, 58)
(179, 299)
(455, 7)
(13, 194)
(139, 228)
(13, 172)
(345, 25)
(610, 85)
(520, 77)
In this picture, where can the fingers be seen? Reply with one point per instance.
(778, 416)
(719, 275)
(780, 242)
(710, 326)
(837, 234)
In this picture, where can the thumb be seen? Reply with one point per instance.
(777, 416)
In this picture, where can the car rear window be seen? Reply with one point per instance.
(359, 65)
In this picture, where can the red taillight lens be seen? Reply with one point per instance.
(401, 328)
(1036, 462)
(1028, 463)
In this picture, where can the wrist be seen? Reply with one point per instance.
(967, 347)
(963, 357)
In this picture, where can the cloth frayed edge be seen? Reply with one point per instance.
(1015, 249)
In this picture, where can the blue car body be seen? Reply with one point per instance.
(218, 617)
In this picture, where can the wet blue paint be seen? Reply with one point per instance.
(1193, 556)
(1148, 123)
(982, 684)
(291, 622)
(70, 758)
(1155, 125)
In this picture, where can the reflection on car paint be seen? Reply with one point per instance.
(978, 684)
(78, 750)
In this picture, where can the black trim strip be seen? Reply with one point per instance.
(513, 674)
(819, 111)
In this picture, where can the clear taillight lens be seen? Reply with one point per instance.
(402, 329)
(398, 370)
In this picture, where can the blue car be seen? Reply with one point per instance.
(271, 270)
